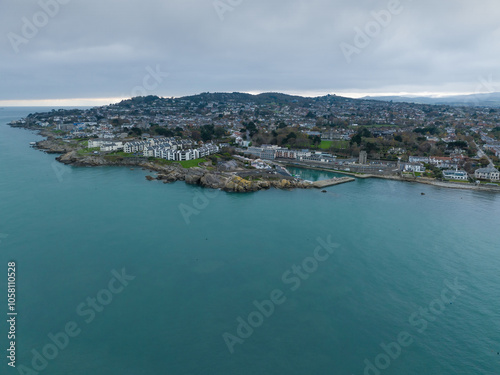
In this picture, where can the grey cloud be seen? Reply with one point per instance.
(102, 49)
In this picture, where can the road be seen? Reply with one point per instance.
(481, 153)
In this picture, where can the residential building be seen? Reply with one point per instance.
(488, 173)
(413, 167)
(451, 174)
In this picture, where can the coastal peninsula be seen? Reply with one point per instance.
(241, 142)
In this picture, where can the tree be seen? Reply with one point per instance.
(135, 131)
(219, 132)
(252, 128)
(164, 132)
(196, 135)
(371, 147)
(484, 161)
(207, 132)
(356, 139)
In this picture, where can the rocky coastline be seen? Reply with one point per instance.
(238, 180)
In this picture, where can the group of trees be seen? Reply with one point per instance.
(207, 133)
(431, 130)
(413, 143)
(285, 136)
(166, 132)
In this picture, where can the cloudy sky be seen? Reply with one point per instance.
(104, 50)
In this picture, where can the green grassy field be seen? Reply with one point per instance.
(122, 154)
(191, 163)
(84, 151)
(185, 164)
(326, 145)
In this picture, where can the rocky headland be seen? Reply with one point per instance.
(235, 178)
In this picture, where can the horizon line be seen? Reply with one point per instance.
(94, 102)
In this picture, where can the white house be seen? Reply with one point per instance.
(419, 159)
(97, 142)
(413, 167)
(112, 146)
(455, 175)
(488, 173)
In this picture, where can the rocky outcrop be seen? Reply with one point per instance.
(54, 146)
(171, 176)
(68, 158)
(240, 185)
(194, 175)
(201, 176)
(213, 181)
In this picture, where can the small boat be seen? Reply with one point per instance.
(32, 144)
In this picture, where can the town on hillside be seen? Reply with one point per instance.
(444, 142)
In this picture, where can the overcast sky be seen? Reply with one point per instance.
(118, 48)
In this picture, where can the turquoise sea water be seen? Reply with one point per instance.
(69, 228)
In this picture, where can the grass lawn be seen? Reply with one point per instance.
(84, 151)
(185, 164)
(122, 154)
(192, 163)
(326, 145)
(160, 161)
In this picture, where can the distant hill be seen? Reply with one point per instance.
(480, 100)
(238, 97)
(275, 98)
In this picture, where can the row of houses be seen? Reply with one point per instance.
(148, 145)
(165, 148)
(106, 144)
(449, 174)
(168, 153)
(443, 162)
(139, 146)
(488, 173)
(271, 152)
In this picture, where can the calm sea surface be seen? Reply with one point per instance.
(419, 270)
